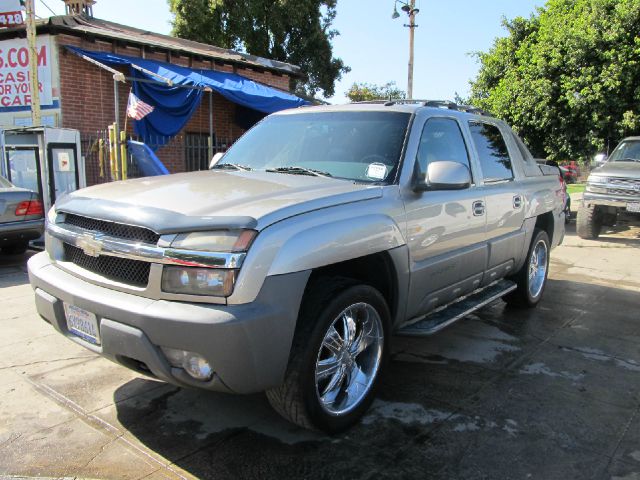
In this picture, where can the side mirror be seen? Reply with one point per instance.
(446, 175)
(599, 160)
(216, 158)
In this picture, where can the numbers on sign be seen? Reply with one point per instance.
(11, 18)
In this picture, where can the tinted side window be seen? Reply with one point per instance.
(441, 140)
(492, 152)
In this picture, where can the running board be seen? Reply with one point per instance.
(445, 316)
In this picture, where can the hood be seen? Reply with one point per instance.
(212, 199)
(619, 169)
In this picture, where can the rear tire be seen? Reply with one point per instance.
(588, 222)
(532, 277)
(339, 348)
(15, 248)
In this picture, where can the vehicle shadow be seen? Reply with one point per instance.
(430, 386)
(623, 233)
(13, 269)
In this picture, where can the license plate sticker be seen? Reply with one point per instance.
(82, 323)
(633, 207)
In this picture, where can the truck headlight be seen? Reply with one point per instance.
(196, 280)
(220, 241)
(215, 282)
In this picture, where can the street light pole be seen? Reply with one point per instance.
(411, 10)
(412, 27)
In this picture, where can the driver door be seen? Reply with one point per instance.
(445, 228)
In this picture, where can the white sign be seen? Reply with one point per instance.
(10, 13)
(63, 162)
(377, 171)
(15, 89)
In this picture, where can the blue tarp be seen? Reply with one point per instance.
(174, 106)
(147, 161)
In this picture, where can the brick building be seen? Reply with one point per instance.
(78, 94)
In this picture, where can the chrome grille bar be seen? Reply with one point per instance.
(96, 244)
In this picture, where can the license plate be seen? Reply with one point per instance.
(82, 323)
(633, 207)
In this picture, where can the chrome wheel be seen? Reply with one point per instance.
(349, 358)
(538, 268)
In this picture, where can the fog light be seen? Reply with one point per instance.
(194, 364)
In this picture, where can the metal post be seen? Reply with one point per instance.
(116, 99)
(412, 27)
(210, 124)
(33, 64)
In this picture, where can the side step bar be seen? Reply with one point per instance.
(451, 313)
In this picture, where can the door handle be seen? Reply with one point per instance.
(517, 202)
(478, 208)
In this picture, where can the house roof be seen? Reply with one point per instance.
(82, 25)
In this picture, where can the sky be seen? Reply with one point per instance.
(375, 46)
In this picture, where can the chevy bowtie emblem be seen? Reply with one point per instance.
(89, 244)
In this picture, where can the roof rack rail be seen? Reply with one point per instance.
(448, 104)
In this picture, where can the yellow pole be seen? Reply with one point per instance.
(123, 153)
(113, 153)
(101, 157)
(33, 64)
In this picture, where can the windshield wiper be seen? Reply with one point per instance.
(628, 160)
(300, 171)
(230, 166)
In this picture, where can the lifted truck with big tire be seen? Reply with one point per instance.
(288, 267)
(612, 190)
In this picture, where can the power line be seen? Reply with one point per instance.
(48, 7)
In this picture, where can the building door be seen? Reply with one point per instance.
(63, 168)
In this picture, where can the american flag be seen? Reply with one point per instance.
(136, 108)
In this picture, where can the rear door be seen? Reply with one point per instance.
(505, 209)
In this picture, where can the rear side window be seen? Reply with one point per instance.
(492, 152)
(441, 140)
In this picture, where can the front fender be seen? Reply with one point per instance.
(336, 242)
(318, 238)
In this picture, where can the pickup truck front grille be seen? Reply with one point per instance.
(623, 192)
(630, 183)
(123, 270)
(117, 230)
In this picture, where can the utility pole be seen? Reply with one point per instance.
(411, 11)
(412, 26)
(33, 63)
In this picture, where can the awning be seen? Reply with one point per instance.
(174, 105)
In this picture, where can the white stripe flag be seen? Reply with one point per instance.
(137, 109)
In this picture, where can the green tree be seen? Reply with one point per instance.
(293, 31)
(567, 78)
(360, 92)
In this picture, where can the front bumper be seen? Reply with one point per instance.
(26, 230)
(608, 200)
(247, 345)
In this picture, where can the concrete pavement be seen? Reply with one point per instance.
(547, 393)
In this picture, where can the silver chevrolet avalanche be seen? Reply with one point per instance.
(289, 266)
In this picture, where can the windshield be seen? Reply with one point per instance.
(358, 146)
(627, 151)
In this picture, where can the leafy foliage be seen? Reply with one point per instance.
(360, 92)
(567, 78)
(293, 31)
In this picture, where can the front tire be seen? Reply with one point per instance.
(588, 222)
(338, 351)
(531, 279)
